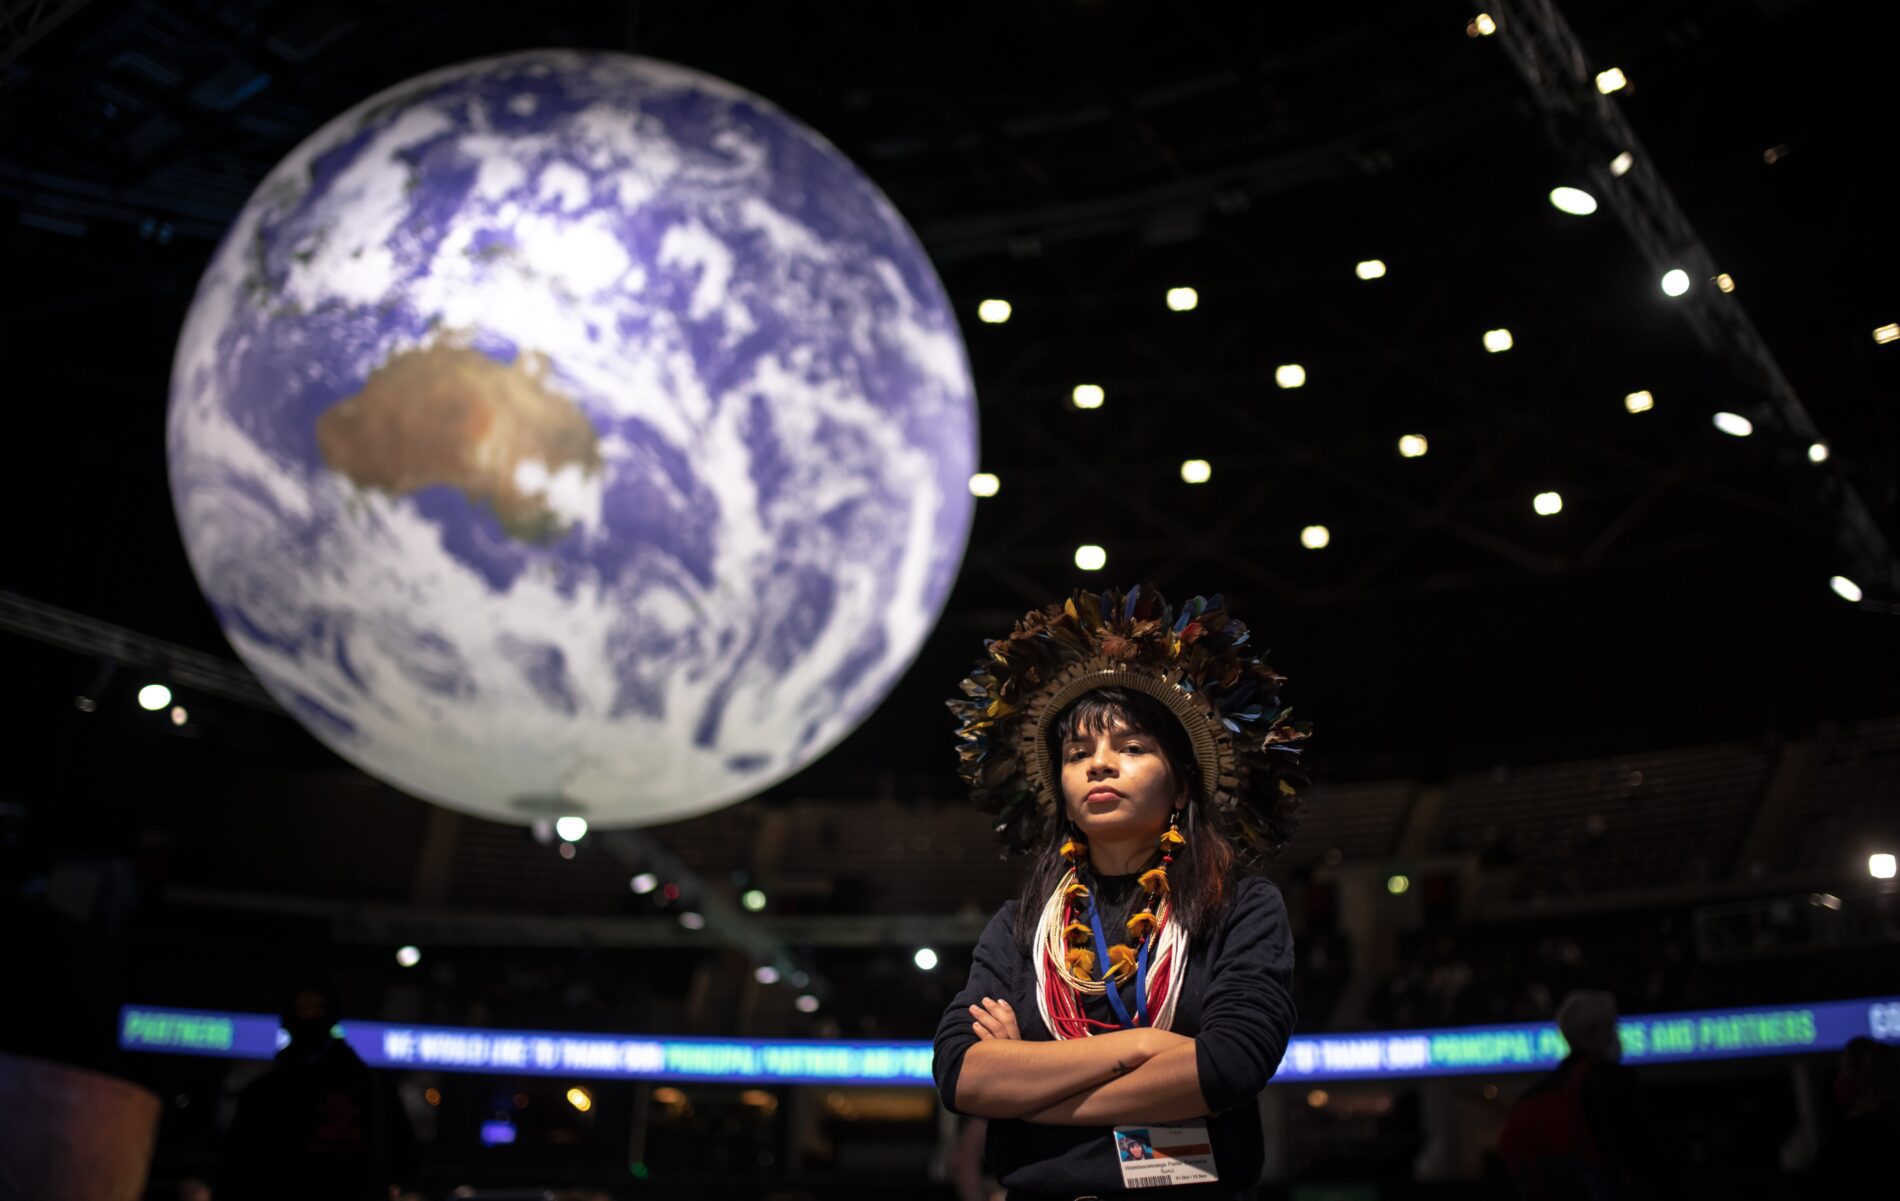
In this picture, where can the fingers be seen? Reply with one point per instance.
(995, 1019)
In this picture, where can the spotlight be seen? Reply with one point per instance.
(984, 484)
(1575, 201)
(765, 974)
(154, 697)
(993, 312)
(692, 921)
(179, 716)
(1845, 588)
(85, 704)
(1817, 453)
(409, 956)
(1370, 269)
(1091, 558)
(580, 1098)
(1481, 26)
(806, 1003)
(1088, 396)
(1640, 401)
(1887, 333)
(1398, 883)
(925, 958)
(571, 829)
(1547, 504)
(1734, 424)
(1314, 537)
(644, 883)
(1196, 471)
(1774, 154)
(1621, 164)
(1675, 282)
(1290, 375)
(1318, 1098)
(1412, 446)
(1183, 299)
(1880, 866)
(753, 900)
(1612, 80)
(1497, 341)
(1725, 282)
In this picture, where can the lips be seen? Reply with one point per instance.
(1104, 794)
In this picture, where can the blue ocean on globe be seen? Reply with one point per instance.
(573, 433)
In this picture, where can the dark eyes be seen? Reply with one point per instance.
(1127, 748)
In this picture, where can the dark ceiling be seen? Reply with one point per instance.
(1078, 158)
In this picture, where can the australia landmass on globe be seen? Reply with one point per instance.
(450, 415)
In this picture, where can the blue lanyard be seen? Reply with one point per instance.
(1114, 989)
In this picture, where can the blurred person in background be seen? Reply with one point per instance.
(1862, 1148)
(318, 1125)
(1582, 1131)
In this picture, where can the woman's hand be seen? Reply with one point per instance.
(994, 1019)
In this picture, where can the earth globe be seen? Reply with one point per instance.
(572, 433)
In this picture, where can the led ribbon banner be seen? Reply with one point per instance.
(1468, 1050)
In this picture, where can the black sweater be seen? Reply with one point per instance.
(1237, 1005)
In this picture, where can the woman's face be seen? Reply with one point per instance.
(1118, 784)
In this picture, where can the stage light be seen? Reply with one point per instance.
(1088, 396)
(1315, 537)
(993, 312)
(753, 900)
(408, 956)
(1290, 375)
(566, 850)
(1318, 1098)
(1675, 282)
(1725, 282)
(1817, 452)
(1774, 154)
(1183, 299)
(1547, 504)
(670, 891)
(925, 959)
(1497, 341)
(1398, 883)
(806, 1003)
(984, 484)
(1734, 424)
(669, 1096)
(85, 704)
(154, 697)
(644, 883)
(1091, 558)
(1824, 900)
(1413, 446)
(580, 1098)
(766, 974)
(1481, 26)
(1575, 201)
(571, 828)
(1845, 588)
(1612, 80)
(1621, 164)
(1639, 401)
(693, 921)
(1887, 333)
(179, 716)
(1370, 269)
(1196, 471)
(433, 1096)
(1880, 866)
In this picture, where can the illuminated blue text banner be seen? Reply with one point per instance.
(1468, 1050)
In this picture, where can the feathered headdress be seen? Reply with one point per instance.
(1197, 663)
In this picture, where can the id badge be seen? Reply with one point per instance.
(1153, 1156)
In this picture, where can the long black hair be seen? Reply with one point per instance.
(1199, 877)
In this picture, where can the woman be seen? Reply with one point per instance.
(1138, 993)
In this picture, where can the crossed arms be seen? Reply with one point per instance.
(1138, 1075)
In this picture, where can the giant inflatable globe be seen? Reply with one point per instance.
(572, 434)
